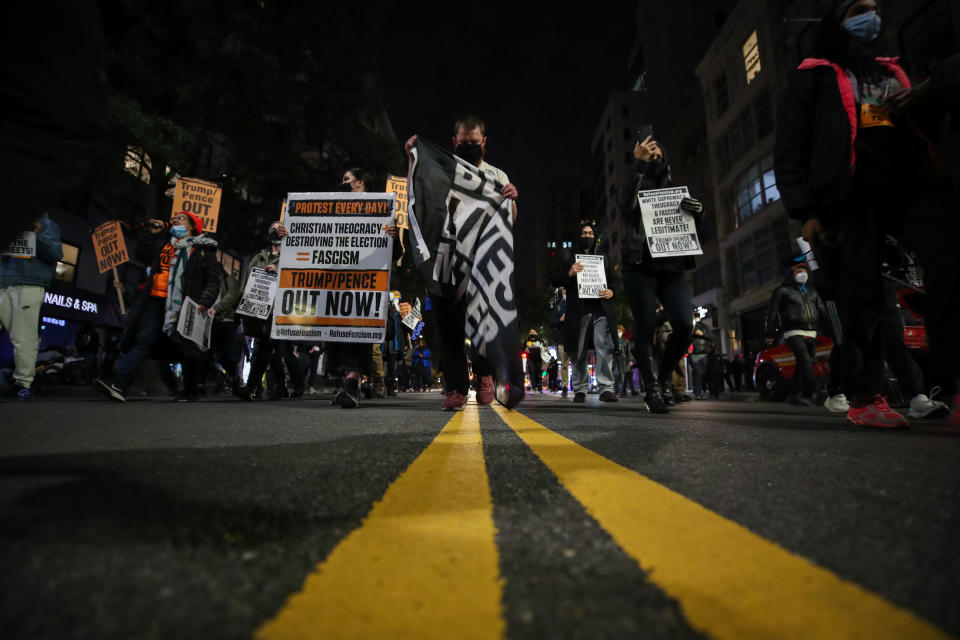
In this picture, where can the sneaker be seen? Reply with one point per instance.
(563, 394)
(244, 394)
(923, 407)
(608, 396)
(837, 404)
(24, 394)
(111, 391)
(453, 401)
(877, 414)
(654, 399)
(350, 396)
(798, 400)
(580, 397)
(486, 391)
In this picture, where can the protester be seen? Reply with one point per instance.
(553, 375)
(590, 322)
(470, 144)
(715, 373)
(647, 279)
(556, 318)
(796, 310)
(224, 336)
(849, 168)
(266, 350)
(23, 282)
(422, 367)
(533, 346)
(698, 359)
(623, 375)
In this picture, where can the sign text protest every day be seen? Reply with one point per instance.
(22, 246)
(669, 230)
(592, 280)
(334, 268)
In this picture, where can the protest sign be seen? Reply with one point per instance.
(411, 319)
(334, 268)
(200, 198)
(109, 246)
(398, 186)
(592, 280)
(670, 231)
(23, 246)
(257, 301)
(193, 325)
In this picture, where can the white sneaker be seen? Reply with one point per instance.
(837, 404)
(923, 407)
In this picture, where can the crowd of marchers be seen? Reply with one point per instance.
(863, 163)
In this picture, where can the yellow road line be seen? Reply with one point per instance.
(731, 583)
(424, 562)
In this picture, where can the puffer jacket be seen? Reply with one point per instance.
(797, 309)
(38, 271)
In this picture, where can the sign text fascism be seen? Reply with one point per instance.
(334, 268)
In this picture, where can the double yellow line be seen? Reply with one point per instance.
(424, 564)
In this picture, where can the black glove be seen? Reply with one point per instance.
(692, 206)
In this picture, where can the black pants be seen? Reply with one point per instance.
(449, 341)
(898, 356)
(274, 353)
(225, 345)
(643, 290)
(535, 369)
(804, 352)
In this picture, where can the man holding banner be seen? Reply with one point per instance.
(461, 228)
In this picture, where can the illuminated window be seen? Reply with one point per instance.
(138, 164)
(756, 188)
(67, 265)
(751, 57)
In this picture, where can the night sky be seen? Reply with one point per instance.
(539, 78)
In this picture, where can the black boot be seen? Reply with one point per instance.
(668, 396)
(350, 398)
(654, 398)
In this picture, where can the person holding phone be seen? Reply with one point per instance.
(647, 280)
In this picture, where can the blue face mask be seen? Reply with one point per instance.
(178, 231)
(865, 26)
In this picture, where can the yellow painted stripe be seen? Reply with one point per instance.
(424, 562)
(731, 583)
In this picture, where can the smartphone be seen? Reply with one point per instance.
(644, 131)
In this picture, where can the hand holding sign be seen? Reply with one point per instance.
(591, 277)
(670, 228)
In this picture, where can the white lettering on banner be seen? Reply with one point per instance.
(593, 279)
(670, 231)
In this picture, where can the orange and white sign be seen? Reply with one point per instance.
(334, 268)
(199, 197)
(398, 186)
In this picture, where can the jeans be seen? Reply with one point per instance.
(804, 351)
(594, 329)
(698, 369)
(148, 321)
(643, 290)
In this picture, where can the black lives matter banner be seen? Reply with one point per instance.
(462, 231)
(334, 268)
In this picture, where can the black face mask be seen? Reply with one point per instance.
(586, 243)
(470, 151)
(274, 236)
(344, 186)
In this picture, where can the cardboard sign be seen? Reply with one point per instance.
(398, 186)
(193, 325)
(592, 280)
(200, 198)
(23, 246)
(335, 268)
(670, 231)
(258, 296)
(109, 246)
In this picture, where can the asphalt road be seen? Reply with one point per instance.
(223, 519)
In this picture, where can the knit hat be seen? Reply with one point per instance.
(197, 222)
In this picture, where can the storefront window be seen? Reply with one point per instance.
(67, 266)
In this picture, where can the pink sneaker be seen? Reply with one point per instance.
(485, 394)
(876, 414)
(453, 401)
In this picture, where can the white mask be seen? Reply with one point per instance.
(800, 277)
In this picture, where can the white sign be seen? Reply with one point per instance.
(23, 246)
(593, 279)
(670, 231)
(335, 268)
(411, 319)
(257, 301)
(193, 325)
